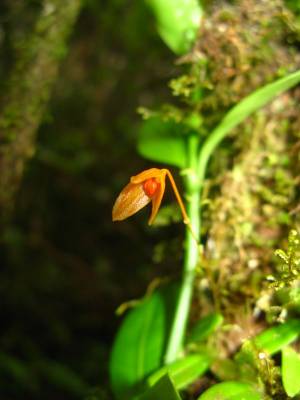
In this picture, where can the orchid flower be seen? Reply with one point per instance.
(144, 188)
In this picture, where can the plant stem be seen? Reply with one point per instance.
(190, 256)
(197, 165)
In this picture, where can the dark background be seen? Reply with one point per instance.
(65, 267)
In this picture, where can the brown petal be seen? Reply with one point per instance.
(157, 198)
(130, 200)
(148, 173)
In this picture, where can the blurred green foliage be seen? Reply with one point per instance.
(177, 22)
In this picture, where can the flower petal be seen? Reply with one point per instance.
(130, 200)
(157, 198)
(148, 173)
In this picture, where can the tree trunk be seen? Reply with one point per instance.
(28, 92)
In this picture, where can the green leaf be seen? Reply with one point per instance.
(140, 342)
(203, 328)
(163, 142)
(231, 391)
(183, 371)
(163, 389)
(274, 339)
(290, 371)
(241, 111)
(177, 22)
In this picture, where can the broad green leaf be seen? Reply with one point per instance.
(139, 345)
(241, 111)
(163, 142)
(177, 22)
(290, 371)
(203, 328)
(183, 371)
(231, 391)
(163, 389)
(274, 339)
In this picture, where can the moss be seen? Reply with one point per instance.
(252, 186)
(288, 270)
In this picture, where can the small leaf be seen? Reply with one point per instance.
(163, 389)
(290, 371)
(244, 109)
(183, 371)
(274, 339)
(203, 328)
(231, 391)
(281, 254)
(139, 345)
(177, 22)
(163, 142)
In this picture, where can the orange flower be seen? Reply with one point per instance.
(148, 186)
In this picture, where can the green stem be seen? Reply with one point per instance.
(196, 167)
(191, 255)
(194, 183)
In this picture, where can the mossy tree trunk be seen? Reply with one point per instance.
(28, 91)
